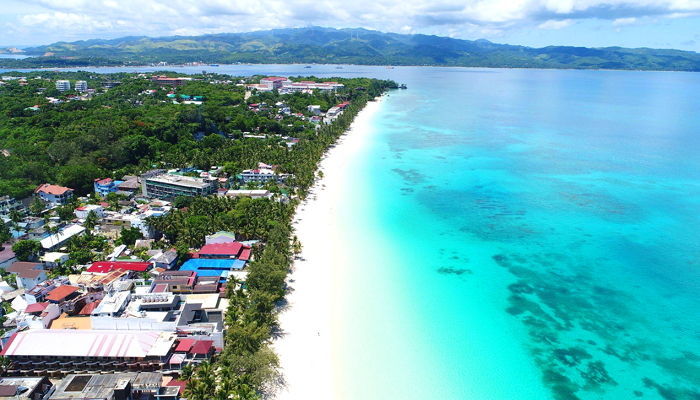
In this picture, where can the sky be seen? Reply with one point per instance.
(593, 23)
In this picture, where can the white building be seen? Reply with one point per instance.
(63, 85)
(83, 211)
(81, 86)
(314, 109)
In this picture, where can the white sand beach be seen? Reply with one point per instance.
(306, 348)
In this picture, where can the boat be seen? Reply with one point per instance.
(403, 86)
(308, 66)
(213, 65)
(339, 67)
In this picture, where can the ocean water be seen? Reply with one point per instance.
(520, 234)
(527, 235)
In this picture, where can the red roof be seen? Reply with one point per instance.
(61, 292)
(52, 189)
(105, 181)
(178, 383)
(104, 267)
(245, 254)
(185, 345)
(221, 249)
(89, 308)
(36, 307)
(274, 79)
(202, 347)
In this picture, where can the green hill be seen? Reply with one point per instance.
(352, 46)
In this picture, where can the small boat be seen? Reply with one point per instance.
(213, 65)
(338, 67)
(403, 86)
(308, 66)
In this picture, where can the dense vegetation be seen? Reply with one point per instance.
(126, 129)
(353, 46)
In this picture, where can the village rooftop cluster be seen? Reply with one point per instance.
(127, 324)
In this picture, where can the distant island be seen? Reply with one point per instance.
(343, 46)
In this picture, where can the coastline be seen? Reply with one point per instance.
(307, 346)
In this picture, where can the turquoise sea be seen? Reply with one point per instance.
(522, 234)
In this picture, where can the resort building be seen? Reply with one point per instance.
(274, 82)
(54, 195)
(169, 186)
(49, 351)
(262, 175)
(8, 204)
(63, 85)
(81, 86)
(166, 81)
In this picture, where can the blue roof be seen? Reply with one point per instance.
(211, 267)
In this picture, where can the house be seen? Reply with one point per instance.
(83, 211)
(54, 259)
(220, 237)
(54, 195)
(59, 239)
(7, 256)
(166, 259)
(105, 186)
(62, 293)
(28, 274)
(314, 109)
(25, 387)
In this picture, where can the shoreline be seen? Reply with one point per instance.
(307, 346)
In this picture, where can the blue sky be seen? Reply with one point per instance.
(629, 23)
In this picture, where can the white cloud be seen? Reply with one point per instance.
(624, 21)
(555, 24)
(73, 19)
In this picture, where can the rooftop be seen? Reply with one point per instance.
(89, 343)
(61, 292)
(103, 267)
(52, 189)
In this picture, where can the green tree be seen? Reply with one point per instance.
(37, 206)
(26, 250)
(91, 220)
(129, 236)
(5, 234)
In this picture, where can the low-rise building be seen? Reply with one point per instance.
(28, 274)
(253, 194)
(119, 386)
(57, 240)
(105, 186)
(54, 259)
(83, 211)
(25, 387)
(169, 186)
(54, 195)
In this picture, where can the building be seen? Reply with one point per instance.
(105, 186)
(25, 388)
(220, 237)
(54, 195)
(105, 267)
(28, 274)
(7, 256)
(226, 250)
(166, 259)
(57, 240)
(63, 85)
(8, 204)
(314, 109)
(262, 175)
(113, 304)
(253, 194)
(119, 386)
(81, 86)
(83, 211)
(65, 351)
(166, 81)
(54, 259)
(169, 186)
(213, 268)
(273, 82)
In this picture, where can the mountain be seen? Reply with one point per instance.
(352, 46)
